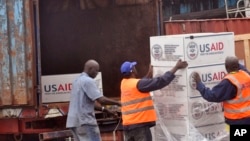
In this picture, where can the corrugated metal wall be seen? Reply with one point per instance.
(238, 26)
(16, 53)
(71, 34)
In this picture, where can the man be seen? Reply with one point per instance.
(84, 95)
(138, 112)
(233, 91)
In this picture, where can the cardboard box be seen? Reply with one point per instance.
(178, 133)
(183, 114)
(180, 108)
(202, 113)
(180, 101)
(211, 132)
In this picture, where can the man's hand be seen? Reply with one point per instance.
(112, 113)
(196, 77)
(181, 64)
(150, 72)
(119, 103)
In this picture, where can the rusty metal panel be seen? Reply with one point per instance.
(71, 35)
(55, 135)
(16, 53)
(238, 26)
(10, 124)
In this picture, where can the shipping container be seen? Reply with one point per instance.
(240, 27)
(236, 25)
(203, 9)
(17, 54)
(70, 34)
(44, 37)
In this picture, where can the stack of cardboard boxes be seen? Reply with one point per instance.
(183, 115)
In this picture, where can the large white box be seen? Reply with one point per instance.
(203, 113)
(211, 132)
(163, 132)
(183, 114)
(180, 100)
(196, 49)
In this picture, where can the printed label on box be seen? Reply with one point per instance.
(210, 75)
(216, 132)
(203, 113)
(57, 88)
(176, 88)
(196, 49)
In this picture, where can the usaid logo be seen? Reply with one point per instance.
(196, 110)
(56, 88)
(156, 51)
(207, 78)
(192, 50)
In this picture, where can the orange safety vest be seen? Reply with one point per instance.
(238, 107)
(137, 107)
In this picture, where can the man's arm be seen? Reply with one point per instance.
(99, 107)
(241, 67)
(219, 93)
(225, 90)
(107, 101)
(149, 73)
(147, 85)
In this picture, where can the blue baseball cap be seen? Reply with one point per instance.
(127, 67)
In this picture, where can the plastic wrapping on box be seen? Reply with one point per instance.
(183, 114)
(176, 123)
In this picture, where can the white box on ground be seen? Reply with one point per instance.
(202, 113)
(182, 113)
(57, 88)
(179, 104)
(164, 132)
(211, 132)
(172, 111)
(188, 133)
(196, 49)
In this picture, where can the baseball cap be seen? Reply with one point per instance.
(127, 67)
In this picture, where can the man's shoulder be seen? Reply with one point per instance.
(85, 77)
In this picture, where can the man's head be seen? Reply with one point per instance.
(232, 64)
(91, 67)
(128, 68)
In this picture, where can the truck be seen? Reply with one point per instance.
(44, 37)
(41, 38)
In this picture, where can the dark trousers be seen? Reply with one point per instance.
(138, 134)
